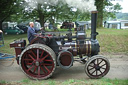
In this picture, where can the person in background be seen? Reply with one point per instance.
(50, 25)
(37, 25)
(32, 32)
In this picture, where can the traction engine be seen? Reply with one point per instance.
(39, 59)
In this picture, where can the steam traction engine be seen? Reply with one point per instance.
(39, 59)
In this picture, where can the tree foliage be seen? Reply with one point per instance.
(7, 8)
(46, 11)
(50, 10)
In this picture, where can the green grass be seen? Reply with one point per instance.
(102, 81)
(111, 41)
(2, 82)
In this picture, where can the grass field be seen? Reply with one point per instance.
(111, 41)
(68, 82)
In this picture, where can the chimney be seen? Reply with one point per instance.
(93, 24)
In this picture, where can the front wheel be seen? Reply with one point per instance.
(37, 61)
(97, 67)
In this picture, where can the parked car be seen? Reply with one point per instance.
(23, 27)
(13, 30)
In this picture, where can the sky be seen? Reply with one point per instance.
(123, 3)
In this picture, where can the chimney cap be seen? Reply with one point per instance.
(94, 11)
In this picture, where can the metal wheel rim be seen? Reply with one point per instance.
(37, 66)
(99, 67)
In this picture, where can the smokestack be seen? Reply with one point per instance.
(93, 24)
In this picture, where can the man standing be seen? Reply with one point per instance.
(32, 32)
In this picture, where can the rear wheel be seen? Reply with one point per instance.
(37, 61)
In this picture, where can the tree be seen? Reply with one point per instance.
(103, 13)
(7, 8)
(100, 7)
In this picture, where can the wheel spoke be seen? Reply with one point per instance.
(28, 60)
(97, 60)
(35, 69)
(100, 62)
(44, 57)
(90, 65)
(33, 53)
(47, 69)
(42, 69)
(38, 70)
(94, 62)
(28, 63)
(48, 60)
(100, 71)
(103, 65)
(91, 68)
(47, 64)
(42, 54)
(96, 72)
(103, 68)
(93, 71)
(31, 57)
(30, 68)
(37, 54)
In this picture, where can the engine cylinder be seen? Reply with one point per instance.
(84, 48)
(88, 47)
